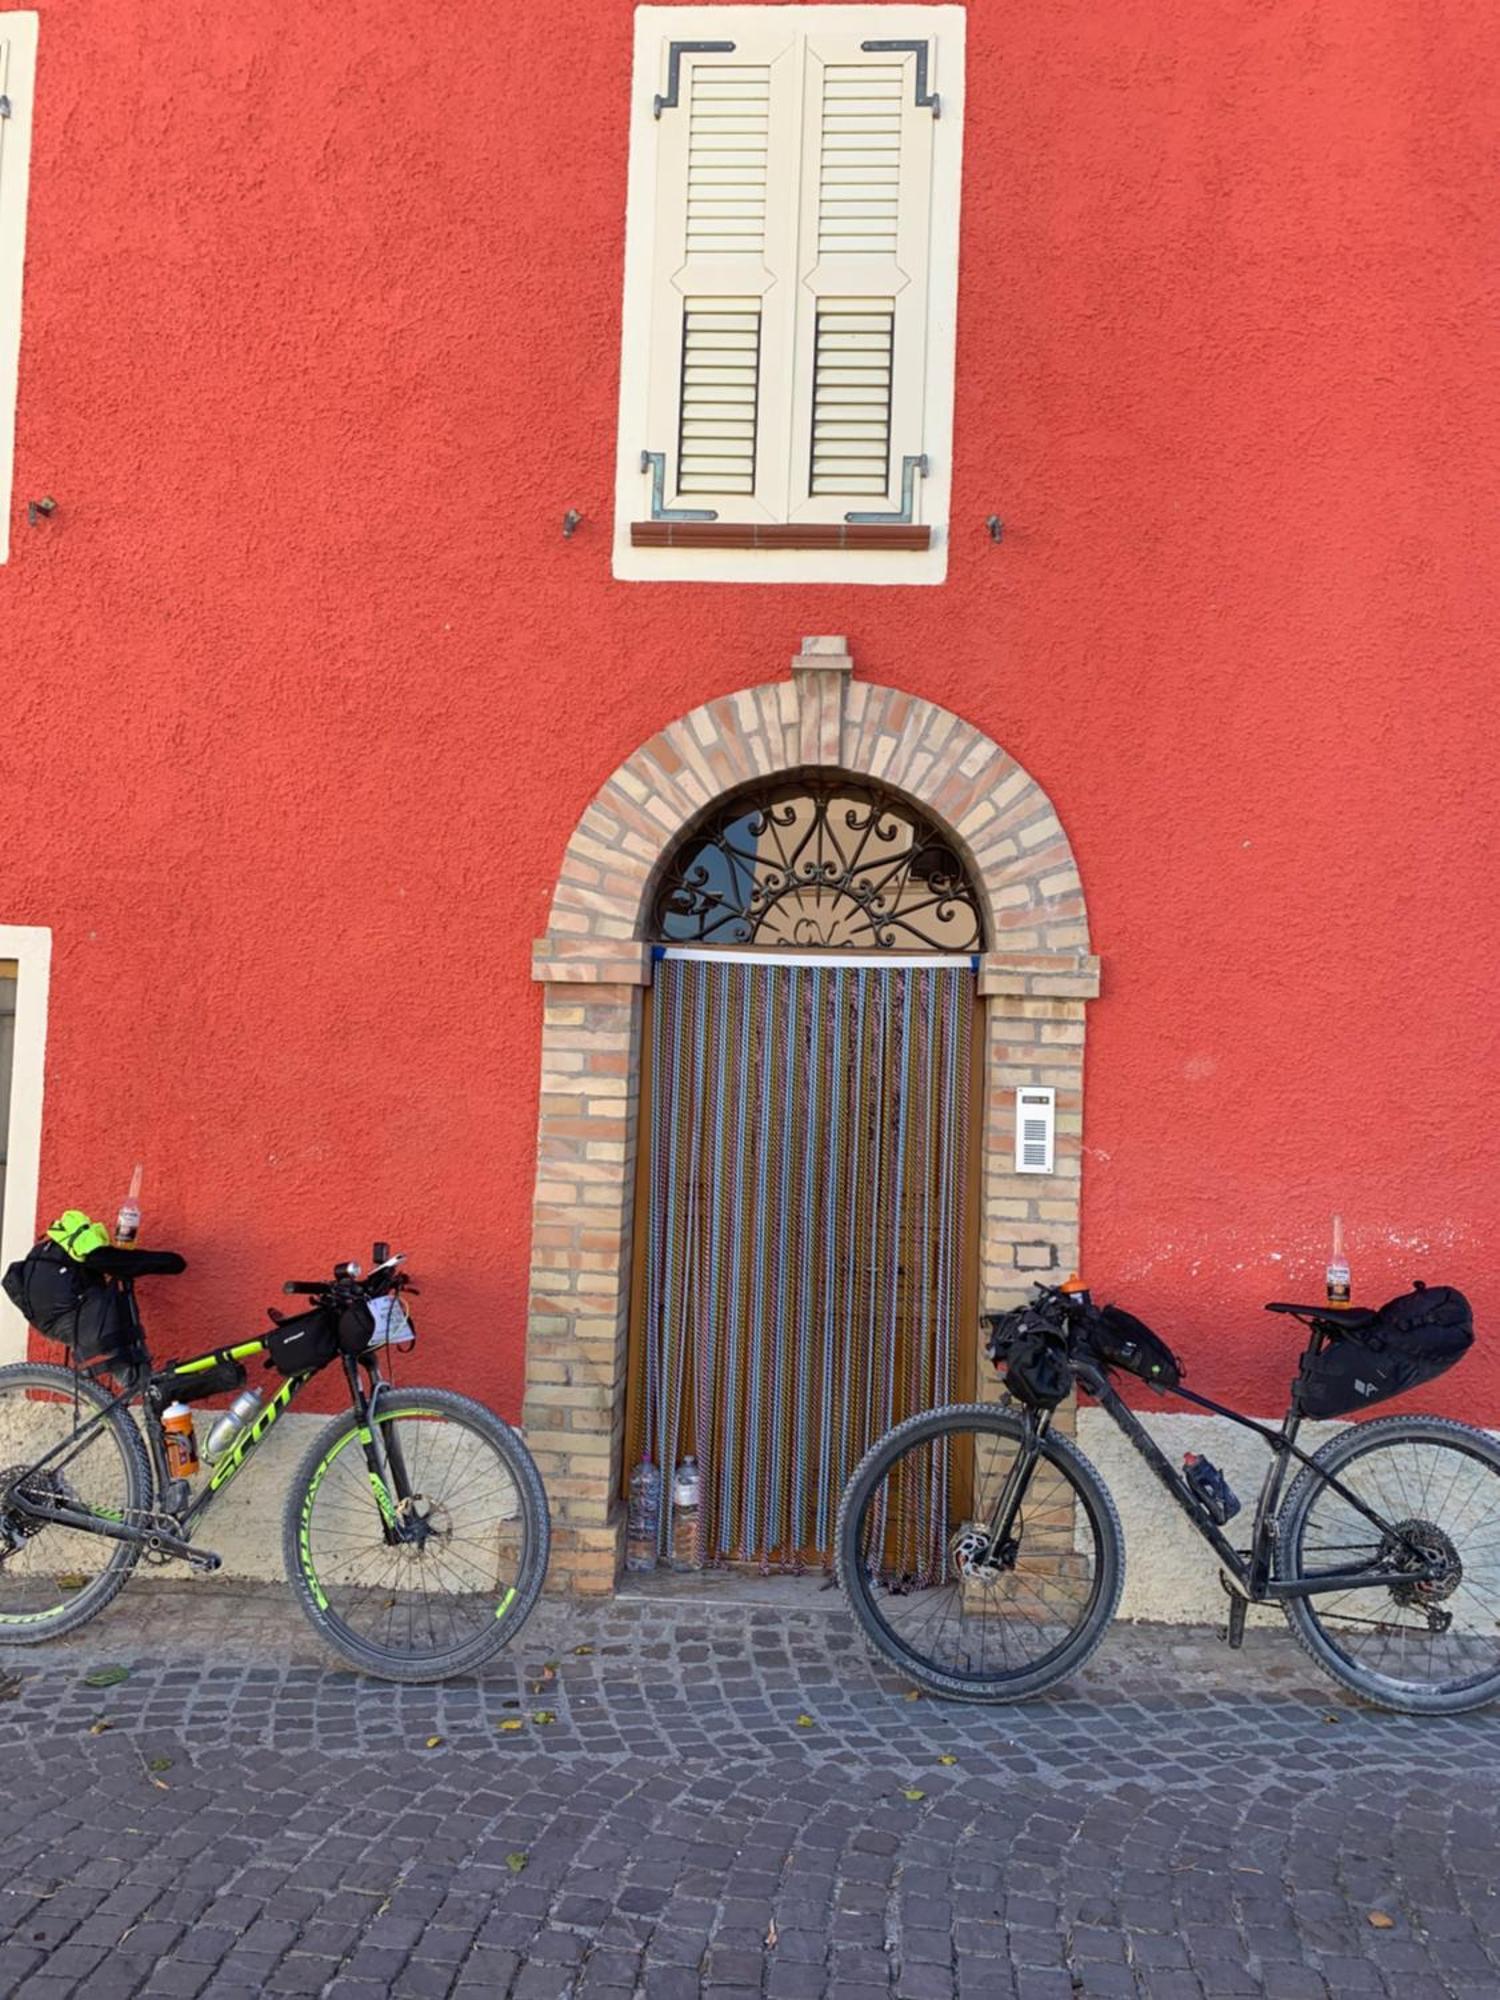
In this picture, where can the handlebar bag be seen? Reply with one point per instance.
(303, 1343)
(1034, 1355)
(1123, 1341)
(70, 1304)
(1411, 1340)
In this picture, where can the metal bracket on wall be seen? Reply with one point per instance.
(655, 462)
(675, 53)
(4, 107)
(925, 100)
(910, 467)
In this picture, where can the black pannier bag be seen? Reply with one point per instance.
(1373, 1356)
(1123, 1341)
(1034, 1356)
(299, 1345)
(72, 1305)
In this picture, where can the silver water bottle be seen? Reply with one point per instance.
(241, 1413)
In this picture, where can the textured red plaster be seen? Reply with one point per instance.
(307, 689)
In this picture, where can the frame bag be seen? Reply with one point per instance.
(1122, 1341)
(70, 1304)
(1371, 1356)
(304, 1343)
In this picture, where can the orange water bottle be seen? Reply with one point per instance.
(180, 1439)
(1338, 1268)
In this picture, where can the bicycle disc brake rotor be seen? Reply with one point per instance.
(1416, 1544)
(969, 1553)
(422, 1521)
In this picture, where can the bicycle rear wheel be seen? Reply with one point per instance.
(460, 1574)
(52, 1578)
(911, 1552)
(1428, 1647)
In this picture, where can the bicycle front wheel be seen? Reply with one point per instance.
(1430, 1646)
(453, 1574)
(55, 1578)
(914, 1560)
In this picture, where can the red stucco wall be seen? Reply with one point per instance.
(305, 689)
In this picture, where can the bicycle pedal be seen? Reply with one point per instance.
(206, 1560)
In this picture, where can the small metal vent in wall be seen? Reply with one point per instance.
(1036, 1122)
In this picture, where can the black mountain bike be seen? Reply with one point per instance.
(982, 1555)
(415, 1533)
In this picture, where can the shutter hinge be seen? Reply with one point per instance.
(910, 467)
(675, 53)
(926, 100)
(655, 462)
(4, 107)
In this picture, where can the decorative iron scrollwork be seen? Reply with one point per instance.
(818, 863)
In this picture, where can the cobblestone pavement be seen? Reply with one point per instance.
(723, 1798)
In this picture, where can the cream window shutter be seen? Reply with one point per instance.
(17, 85)
(860, 347)
(723, 292)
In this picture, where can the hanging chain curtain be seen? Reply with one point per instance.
(808, 1138)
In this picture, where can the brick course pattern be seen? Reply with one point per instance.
(595, 963)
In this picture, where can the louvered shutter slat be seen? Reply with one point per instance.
(851, 439)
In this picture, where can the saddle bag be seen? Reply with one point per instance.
(1122, 1341)
(1372, 1356)
(72, 1305)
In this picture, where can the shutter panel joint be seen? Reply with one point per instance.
(911, 465)
(675, 53)
(926, 100)
(655, 462)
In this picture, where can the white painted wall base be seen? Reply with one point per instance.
(1171, 1574)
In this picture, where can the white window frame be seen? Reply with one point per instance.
(18, 84)
(655, 27)
(31, 947)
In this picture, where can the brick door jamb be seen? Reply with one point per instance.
(595, 962)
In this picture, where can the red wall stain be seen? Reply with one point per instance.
(306, 689)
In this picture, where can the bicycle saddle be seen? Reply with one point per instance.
(1340, 1315)
(117, 1262)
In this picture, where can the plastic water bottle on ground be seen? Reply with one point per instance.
(643, 1517)
(687, 1521)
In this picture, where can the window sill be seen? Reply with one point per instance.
(779, 535)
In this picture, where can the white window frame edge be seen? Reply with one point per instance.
(20, 32)
(31, 947)
(632, 565)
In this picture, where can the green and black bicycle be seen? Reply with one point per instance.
(415, 1532)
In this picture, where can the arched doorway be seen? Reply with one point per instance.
(597, 961)
(805, 1197)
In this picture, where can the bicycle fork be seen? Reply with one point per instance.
(385, 1461)
(1000, 1547)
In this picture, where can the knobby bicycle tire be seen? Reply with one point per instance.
(33, 1628)
(1314, 1621)
(513, 1602)
(863, 1596)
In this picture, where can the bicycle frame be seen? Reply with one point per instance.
(383, 1457)
(1251, 1570)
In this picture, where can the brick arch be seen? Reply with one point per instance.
(1002, 822)
(595, 962)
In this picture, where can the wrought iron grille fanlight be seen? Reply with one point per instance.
(818, 863)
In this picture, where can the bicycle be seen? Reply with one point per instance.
(982, 1554)
(415, 1532)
